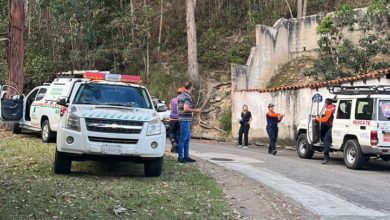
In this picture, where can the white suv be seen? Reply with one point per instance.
(109, 118)
(361, 126)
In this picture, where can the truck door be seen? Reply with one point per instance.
(341, 122)
(11, 104)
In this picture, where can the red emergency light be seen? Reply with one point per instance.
(112, 77)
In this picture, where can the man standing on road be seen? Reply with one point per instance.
(273, 119)
(185, 112)
(326, 123)
(174, 125)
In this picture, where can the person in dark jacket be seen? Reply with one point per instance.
(273, 119)
(246, 118)
(174, 125)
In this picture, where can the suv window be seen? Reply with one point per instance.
(344, 109)
(115, 95)
(384, 110)
(364, 109)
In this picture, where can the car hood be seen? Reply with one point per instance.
(114, 113)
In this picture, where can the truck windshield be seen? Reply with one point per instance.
(384, 110)
(115, 95)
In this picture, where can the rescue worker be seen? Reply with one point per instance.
(326, 123)
(174, 125)
(273, 119)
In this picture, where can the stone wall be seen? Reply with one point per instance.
(295, 104)
(277, 45)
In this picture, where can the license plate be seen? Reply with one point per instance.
(386, 137)
(111, 149)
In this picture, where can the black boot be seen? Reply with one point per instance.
(326, 159)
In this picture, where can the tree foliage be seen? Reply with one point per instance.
(339, 57)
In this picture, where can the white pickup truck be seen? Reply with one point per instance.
(103, 117)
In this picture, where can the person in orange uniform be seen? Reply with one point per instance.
(273, 119)
(326, 125)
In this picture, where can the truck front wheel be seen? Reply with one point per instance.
(303, 148)
(153, 167)
(353, 155)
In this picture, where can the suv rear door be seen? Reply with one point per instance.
(384, 122)
(11, 104)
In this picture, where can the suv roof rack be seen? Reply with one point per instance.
(74, 73)
(358, 90)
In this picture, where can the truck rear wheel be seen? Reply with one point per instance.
(153, 167)
(353, 155)
(46, 134)
(303, 148)
(62, 163)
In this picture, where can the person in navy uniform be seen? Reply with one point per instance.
(273, 119)
(326, 126)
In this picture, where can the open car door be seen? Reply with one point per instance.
(11, 104)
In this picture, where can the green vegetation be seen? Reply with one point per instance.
(68, 34)
(339, 57)
(225, 119)
(30, 190)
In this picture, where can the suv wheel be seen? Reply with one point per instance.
(353, 156)
(62, 163)
(16, 129)
(153, 167)
(46, 134)
(303, 148)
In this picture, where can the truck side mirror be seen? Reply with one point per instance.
(62, 102)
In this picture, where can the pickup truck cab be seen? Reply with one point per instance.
(361, 126)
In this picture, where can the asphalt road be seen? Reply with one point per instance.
(330, 191)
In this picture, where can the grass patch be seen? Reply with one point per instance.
(30, 189)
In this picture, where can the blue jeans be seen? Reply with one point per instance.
(185, 137)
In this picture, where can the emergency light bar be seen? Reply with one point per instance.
(112, 77)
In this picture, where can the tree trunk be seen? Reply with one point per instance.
(160, 29)
(192, 41)
(16, 44)
(147, 40)
(132, 22)
(304, 8)
(299, 8)
(15, 49)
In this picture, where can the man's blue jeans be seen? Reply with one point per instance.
(185, 137)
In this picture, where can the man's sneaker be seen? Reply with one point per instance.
(190, 160)
(239, 145)
(274, 152)
(244, 147)
(182, 160)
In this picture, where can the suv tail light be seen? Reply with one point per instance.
(63, 110)
(374, 138)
